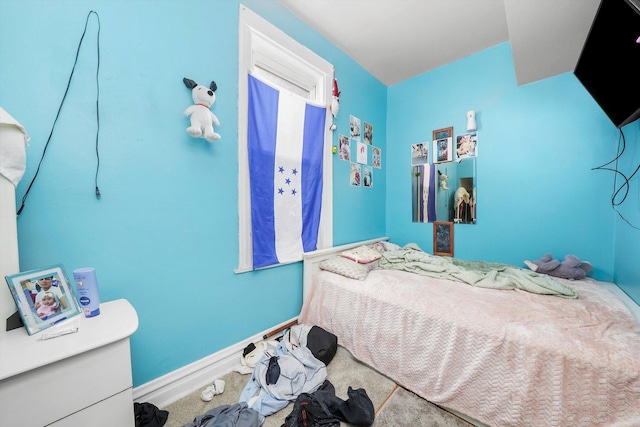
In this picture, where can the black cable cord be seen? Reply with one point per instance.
(24, 198)
(622, 145)
(97, 102)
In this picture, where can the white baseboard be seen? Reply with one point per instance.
(175, 385)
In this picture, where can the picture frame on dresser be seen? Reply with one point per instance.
(43, 297)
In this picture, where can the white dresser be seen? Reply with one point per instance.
(79, 379)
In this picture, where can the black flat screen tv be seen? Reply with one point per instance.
(608, 64)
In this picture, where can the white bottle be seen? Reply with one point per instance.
(87, 290)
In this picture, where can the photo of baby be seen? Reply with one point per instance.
(48, 305)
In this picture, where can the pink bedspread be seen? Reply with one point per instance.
(502, 357)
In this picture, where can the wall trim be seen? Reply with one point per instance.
(177, 384)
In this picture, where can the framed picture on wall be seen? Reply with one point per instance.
(443, 238)
(442, 133)
(44, 297)
(443, 145)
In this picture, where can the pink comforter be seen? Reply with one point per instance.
(502, 357)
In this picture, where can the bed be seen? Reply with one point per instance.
(496, 357)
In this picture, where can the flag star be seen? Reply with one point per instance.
(287, 181)
(280, 169)
(280, 191)
(294, 171)
(293, 192)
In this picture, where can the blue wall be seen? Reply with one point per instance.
(627, 228)
(537, 144)
(164, 234)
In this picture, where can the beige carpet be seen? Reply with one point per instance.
(394, 405)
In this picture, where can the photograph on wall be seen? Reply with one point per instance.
(443, 150)
(419, 153)
(44, 297)
(368, 176)
(345, 148)
(354, 124)
(362, 153)
(376, 157)
(467, 145)
(368, 133)
(355, 174)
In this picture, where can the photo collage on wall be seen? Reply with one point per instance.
(445, 148)
(367, 156)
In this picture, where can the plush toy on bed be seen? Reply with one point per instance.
(202, 119)
(571, 268)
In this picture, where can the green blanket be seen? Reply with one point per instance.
(476, 273)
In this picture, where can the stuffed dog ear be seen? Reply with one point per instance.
(213, 86)
(189, 83)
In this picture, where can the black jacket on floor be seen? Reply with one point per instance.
(323, 408)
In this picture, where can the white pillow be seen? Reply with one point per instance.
(345, 267)
(362, 254)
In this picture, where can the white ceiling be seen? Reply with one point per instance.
(398, 39)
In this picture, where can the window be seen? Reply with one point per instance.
(272, 56)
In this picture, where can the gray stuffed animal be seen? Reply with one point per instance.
(571, 268)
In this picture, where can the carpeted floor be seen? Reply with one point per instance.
(394, 405)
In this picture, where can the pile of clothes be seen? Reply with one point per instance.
(293, 369)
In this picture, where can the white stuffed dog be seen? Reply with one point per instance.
(202, 119)
(443, 181)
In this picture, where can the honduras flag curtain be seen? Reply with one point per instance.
(285, 148)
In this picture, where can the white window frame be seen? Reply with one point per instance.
(269, 54)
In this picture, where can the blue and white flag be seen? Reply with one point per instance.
(285, 148)
(424, 193)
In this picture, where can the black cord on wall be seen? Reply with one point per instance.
(622, 145)
(24, 198)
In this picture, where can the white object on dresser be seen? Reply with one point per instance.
(75, 379)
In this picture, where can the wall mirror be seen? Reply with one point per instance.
(445, 192)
